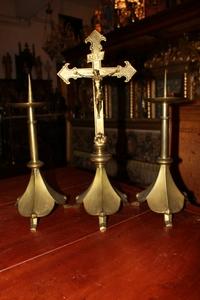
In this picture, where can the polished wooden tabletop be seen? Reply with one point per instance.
(69, 258)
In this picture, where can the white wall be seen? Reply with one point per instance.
(82, 9)
(14, 29)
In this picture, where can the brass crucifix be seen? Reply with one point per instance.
(100, 198)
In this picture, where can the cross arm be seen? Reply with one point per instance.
(127, 71)
(66, 73)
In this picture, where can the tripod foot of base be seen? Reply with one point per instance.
(168, 219)
(34, 222)
(102, 222)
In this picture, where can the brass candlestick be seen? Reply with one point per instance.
(39, 198)
(163, 196)
(100, 198)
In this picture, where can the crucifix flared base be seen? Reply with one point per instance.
(101, 199)
(38, 199)
(163, 196)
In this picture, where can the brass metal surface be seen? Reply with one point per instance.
(163, 196)
(28, 104)
(100, 198)
(169, 100)
(39, 198)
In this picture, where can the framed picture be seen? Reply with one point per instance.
(175, 86)
(71, 29)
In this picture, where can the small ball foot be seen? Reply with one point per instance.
(102, 222)
(34, 221)
(168, 219)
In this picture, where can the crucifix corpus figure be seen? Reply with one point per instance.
(100, 198)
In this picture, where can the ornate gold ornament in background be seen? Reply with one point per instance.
(163, 196)
(39, 198)
(100, 198)
(128, 11)
(184, 56)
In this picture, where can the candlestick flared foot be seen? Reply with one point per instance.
(38, 199)
(101, 199)
(163, 196)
